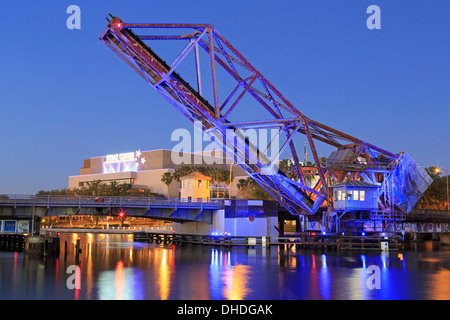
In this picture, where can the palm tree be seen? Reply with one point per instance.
(435, 197)
(215, 174)
(250, 189)
(225, 177)
(218, 175)
(167, 178)
(94, 188)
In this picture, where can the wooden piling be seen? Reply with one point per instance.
(12, 242)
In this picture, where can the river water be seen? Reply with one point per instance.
(113, 267)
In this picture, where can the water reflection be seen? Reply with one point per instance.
(325, 280)
(439, 289)
(228, 281)
(164, 276)
(114, 268)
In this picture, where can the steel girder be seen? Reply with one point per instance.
(219, 119)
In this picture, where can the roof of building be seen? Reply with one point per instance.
(195, 175)
(342, 155)
(354, 183)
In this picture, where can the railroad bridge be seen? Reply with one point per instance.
(426, 221)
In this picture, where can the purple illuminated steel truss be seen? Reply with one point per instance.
(133, 43)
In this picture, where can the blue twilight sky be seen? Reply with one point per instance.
(65, 97)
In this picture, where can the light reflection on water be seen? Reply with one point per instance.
(115, 268)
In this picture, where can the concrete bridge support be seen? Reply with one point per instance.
(202, 228)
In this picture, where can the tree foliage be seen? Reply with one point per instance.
(289, 168)
(99, 188)
(250, 189)
(436, 195)
(167, 178)
(217, 175)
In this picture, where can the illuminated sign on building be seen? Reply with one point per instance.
(123, 162)
(129, 156)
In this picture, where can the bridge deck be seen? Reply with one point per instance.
(102, 202)
(49, 205)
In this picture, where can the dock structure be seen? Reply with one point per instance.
(38, 245)
(186, 239)
(305, 241)
(12, 242)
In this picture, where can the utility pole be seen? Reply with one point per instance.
(32, 220)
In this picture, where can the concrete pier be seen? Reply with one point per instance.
(34, 245)
(43, 246)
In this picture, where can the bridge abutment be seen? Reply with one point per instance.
(202, 228)
(192, 227)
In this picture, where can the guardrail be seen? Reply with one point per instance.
(102, 201)
(107, 229)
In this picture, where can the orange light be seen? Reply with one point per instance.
(437, 170)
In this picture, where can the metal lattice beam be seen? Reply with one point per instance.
(128, 41)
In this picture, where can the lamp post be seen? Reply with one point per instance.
(438, 170)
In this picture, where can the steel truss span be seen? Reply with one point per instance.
(219, 105)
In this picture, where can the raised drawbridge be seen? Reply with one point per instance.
(217, 88)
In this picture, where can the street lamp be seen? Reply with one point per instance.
(438, 170)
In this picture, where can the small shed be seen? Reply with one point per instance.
(355, 195)
(195, 187)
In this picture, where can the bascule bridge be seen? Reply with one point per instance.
(212, 84)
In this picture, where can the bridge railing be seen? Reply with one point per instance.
(429, 214)
(430, 211)
(59, 200)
